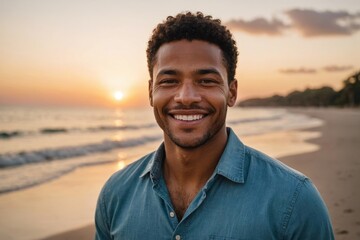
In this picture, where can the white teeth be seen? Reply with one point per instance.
(188, 117)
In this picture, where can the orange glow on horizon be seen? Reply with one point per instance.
(53, 57)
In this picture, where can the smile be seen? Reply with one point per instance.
(188, 118)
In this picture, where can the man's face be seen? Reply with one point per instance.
(189, 92)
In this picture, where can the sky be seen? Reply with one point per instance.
(80, 52)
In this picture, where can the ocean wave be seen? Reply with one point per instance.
(44, 155)
(257, 119)
(53, 130)
(117, 128)
(10, 134)
(33, 174)
(6, 135)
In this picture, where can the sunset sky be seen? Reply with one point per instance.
(80, 52)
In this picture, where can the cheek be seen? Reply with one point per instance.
(218, 96)
(161, 97)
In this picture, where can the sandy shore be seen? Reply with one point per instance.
(57, 206)
(335, 167)
(329, 157)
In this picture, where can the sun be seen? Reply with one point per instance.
(118, 95)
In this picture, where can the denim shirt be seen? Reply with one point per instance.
(249, 196)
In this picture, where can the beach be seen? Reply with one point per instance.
(335, 167)
(328, 154)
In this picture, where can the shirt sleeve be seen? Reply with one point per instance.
(309, 217)
(101, 220)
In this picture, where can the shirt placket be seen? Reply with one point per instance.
(161, 190)
(180, 228)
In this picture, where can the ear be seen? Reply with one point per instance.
(232, 93)
(150, 88)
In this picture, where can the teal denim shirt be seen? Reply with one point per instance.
(249, 196)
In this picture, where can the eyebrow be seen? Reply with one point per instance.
(198, 71)
(167, 72)
(207, 71)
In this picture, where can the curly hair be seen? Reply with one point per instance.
(192, 26)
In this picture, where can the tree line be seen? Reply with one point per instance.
(348, 96)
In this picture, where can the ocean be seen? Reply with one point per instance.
(41, 144)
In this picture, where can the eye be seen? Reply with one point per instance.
(168, 82)
(208, 81)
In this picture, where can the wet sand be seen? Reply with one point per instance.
(332, 162)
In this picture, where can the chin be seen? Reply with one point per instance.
(192, 142)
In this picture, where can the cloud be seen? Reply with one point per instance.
(258, 26)
(309, 22)
(329, 68)
(298, 71)
(313, 23)
(335, 68)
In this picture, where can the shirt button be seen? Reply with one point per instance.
(172, 214)
(177, 237)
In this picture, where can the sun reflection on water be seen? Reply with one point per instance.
(121, 164)
(118, 123)
(118, 137)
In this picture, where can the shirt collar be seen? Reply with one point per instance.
(154, 165)
(232, 161)
(231, 164)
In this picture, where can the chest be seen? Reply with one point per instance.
(181, 198)
(225, 211)
(211, 217)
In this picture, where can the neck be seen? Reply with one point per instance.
(192, 167)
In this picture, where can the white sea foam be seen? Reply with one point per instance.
(46, 155)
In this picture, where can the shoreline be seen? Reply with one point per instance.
(305, 142)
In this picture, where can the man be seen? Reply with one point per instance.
(202, 182)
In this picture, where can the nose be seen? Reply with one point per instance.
(187, 94)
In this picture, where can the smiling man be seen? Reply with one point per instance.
(203, 182)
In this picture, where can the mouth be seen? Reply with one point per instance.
(188, 118)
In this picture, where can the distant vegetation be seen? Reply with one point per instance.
(348, 96)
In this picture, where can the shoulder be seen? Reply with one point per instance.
(116, 193)
(275, 177)
(128, 176)
(307, 216)
(304, 213)
(118, 190)
(280, 177)
(267, 164)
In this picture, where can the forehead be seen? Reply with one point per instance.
(190, 55)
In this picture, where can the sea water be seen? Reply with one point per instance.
(40, 144)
